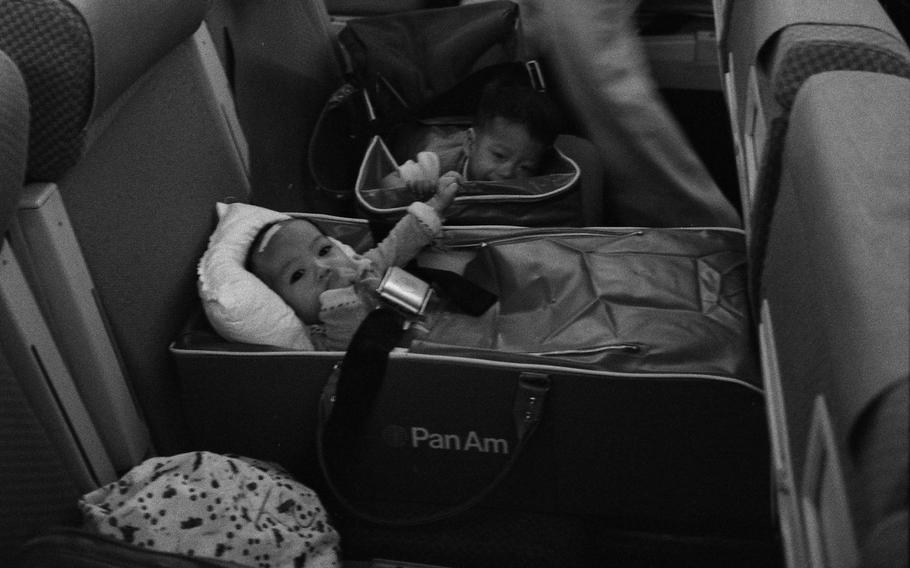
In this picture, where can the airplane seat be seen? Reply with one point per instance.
(76, 65)
(281, 66)
(38, 492)
(878, 451)
(14, 118)
(66, 84)
(37, 487)
(795, 54)
(133, 138)
(834, 305)
(802, 50)
(767, 50)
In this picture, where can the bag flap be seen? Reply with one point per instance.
(426, 52)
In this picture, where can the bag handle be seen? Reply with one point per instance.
(350, 392)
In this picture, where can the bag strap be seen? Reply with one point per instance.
(467, 296)
(464, 294)
(350, 392)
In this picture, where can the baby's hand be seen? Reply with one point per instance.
(419, 175)
(422, 188)
(446, 189)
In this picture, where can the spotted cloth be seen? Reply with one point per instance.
(224, 507)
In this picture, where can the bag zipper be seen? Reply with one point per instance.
(618, 347)
(537, 232)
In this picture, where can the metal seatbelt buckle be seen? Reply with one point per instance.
(536, 76)
(404, 291)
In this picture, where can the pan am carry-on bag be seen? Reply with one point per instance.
(419, 74)
(639, 340)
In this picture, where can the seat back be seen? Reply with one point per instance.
(767, 51)
(152, 143)
(799, 52)
(38, 487)
(280, 61)
(834, 311)
(13, 139)
(813, 89)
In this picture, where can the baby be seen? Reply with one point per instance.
(320, 281)
(512, 130)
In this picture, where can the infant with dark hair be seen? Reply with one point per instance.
(323, 281)
(513, 128)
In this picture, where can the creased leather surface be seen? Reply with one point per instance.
(646, 301)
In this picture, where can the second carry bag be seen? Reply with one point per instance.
(416, 72)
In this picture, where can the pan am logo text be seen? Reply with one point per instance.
(421, 437)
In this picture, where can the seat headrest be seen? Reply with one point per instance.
(13, 138)
(79, 56)
(803, 50)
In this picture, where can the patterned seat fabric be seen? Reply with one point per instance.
(806, 49)
(51, 45)
(801, 51)
(13, 137)
(37, 491)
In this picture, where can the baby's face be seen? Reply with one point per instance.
(300, 263)
(502, 150)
